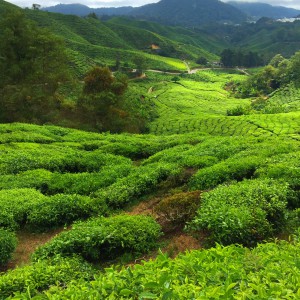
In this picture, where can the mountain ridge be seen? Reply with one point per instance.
(172, 12)
(258, 10)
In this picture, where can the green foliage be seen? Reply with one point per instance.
(23, 157)
(138, 183)
(236, 58)
(104, 239)
(244, 212)
(267, 271)
(98, 80)
(62, 209)
(8, 243)
(29, 54)
(20, 207)
(278, 73)
(238, 111)
(231, 169)
(32, 63)
(42, 275)
(100, 105)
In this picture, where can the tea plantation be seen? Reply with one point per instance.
(230, 182)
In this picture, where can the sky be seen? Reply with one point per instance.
(116, 3)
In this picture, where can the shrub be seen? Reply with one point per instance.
(143, 180)
(231, 169)
(238, 111)
(20, 207)
(62, 209)
(104, 238)
(8, 243)
(42, 275)
(87, 183)
(284, 167)
(269, 271)
(244, 212)
(179, 208)
(16, 204)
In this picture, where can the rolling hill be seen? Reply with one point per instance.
(103, 42)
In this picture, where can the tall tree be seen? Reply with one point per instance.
(32, 62)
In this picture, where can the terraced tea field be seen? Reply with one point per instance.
(200, 103)
(199, 176)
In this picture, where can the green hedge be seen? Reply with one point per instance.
(245, 212)
(42, 275)
(103, 239)
(21, 157)
(269, 271)
(8, 243)
(143, 180)
(21, 207)
(231, 169)
(69, 183)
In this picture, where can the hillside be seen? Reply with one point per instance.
(258, 10)
(101, 41)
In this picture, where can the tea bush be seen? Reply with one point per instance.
(68, 183)
(269, 271)
(21, 207)
(18, 158)
(103, 239)
(42, 275)
(231, 169)
(244, 212)
(284, 167)
(136, 184)
(61, 210)
(16, 204)
(87, 183)
(8, 243)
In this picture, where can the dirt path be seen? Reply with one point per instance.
(175, 241)
(27, 243)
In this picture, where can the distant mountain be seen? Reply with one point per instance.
(258, 10)
(173, 12)
(190, 12)
(83, 10)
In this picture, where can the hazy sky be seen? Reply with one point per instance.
(107, 3)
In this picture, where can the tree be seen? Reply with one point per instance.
(227, 58)
(276, 60)
(140, 63)
(32, 63)
(28, 53)
(98, 80)
(102, 97)
(202, 61)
